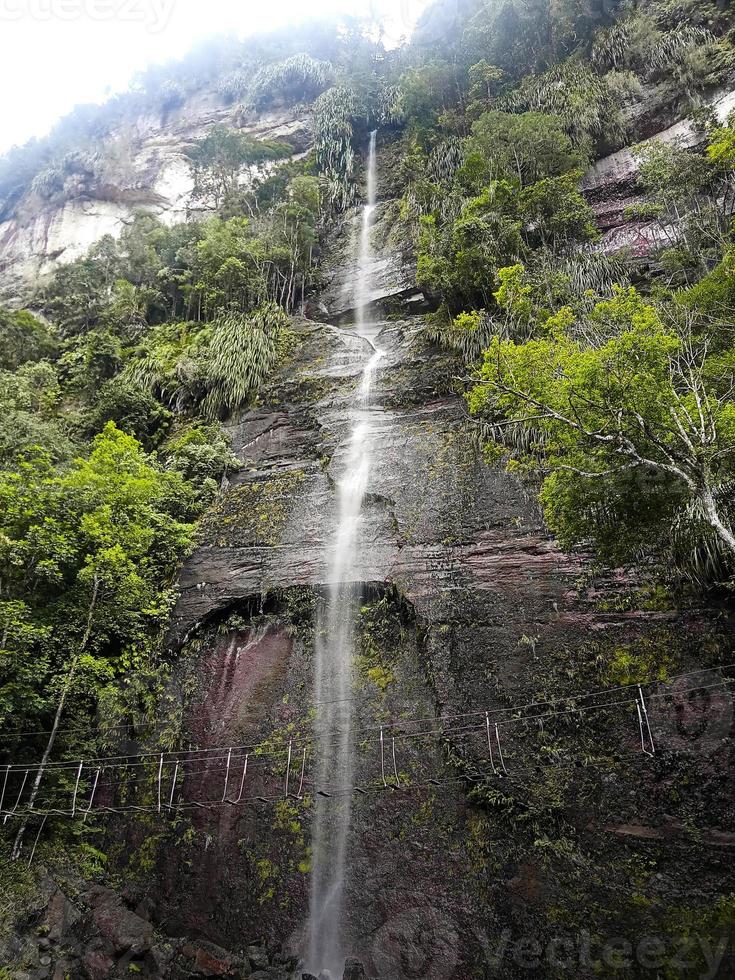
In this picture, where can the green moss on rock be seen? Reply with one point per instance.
(254, 513)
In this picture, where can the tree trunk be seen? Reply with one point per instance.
(18, 845)
(722, 531)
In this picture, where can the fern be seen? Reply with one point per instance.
(243, 351)
(334, 112)
(299, 78)
(234, 85)
(588, 108)
(594, 271)
(445, 160)
(697, 551)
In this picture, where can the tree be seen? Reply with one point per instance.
(79, 291)
(555, 213)
(219, 160)
(525, 147)
(460, 261)
(132, 408)
(89, 555)
(293, 226)
(685, 187)
(619, 392)
(484, 79)
(426, 90)
(23, 338)
(335, 112)
(588, 108)
(230, 268)
(29, 416)
(721, 154)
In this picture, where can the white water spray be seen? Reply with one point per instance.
(334, 650)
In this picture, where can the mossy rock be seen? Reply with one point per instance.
(253, 513)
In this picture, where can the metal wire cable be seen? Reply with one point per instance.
(126, 762)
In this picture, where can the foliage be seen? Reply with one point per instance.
(555, 214)
(234, 85)
(201, 453)
(79, 291)
(529, 146)
(113, 525)
(23, 338)
(219, 160)
(468, 333)
(620, 400)
(242, 353)
(334, 115)
(589, 109)
(692, 196)
(168, 363)
(299, 78)
(426, 90)
(132, 408)
(29, 402)
(658, 45)
(483, 203)
(712, 299)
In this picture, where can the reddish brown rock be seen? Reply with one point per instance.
(123, 929)
(98, 965)
(61, 915)
(209, 960)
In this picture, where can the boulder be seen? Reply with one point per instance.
(123, 929)
(98, 964)
(61, 916)
(354, 970)
(258, 957)
(209, 960)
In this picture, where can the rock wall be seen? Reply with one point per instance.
(145, 168)
(475, 608)
(468, 606)
(610, 187)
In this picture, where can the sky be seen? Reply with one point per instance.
(55, 54)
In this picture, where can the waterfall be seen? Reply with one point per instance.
(334, 649)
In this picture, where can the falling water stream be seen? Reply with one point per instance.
(334, 649)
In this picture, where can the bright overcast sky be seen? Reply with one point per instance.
(55, 54)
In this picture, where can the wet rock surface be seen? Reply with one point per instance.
(391, 272)
(468, 606)
(494, 614)
(96, 936)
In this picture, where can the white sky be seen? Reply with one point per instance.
(55, 54)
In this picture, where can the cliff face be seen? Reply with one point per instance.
(475, 609)
(468, 606)
(610, 187)
(479, 611)
(146, 168)
(142, 166)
